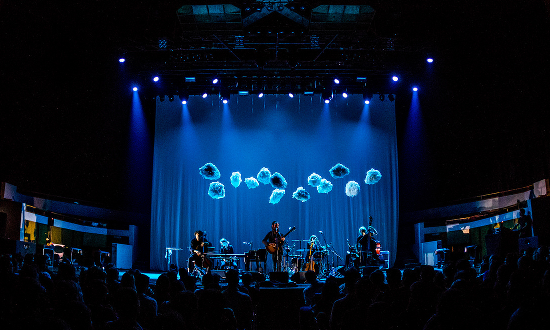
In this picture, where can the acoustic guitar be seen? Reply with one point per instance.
(273, 249)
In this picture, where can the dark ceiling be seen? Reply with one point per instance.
(64, 100)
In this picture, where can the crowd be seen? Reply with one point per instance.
(508, 293)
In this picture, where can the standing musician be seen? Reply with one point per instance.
(275, 240)
(366, 245)
(199, 246)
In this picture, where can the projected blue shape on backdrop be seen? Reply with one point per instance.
(324, 187)
(277, 181)
(339, 171)
(301, 194)
(276, 196)
(314, 180)
(373, 176)
(352, 188)
(216, 190)
(264, 176)
(236, 179)
(251, 183)
(210, 171)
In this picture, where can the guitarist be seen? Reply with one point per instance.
(275, 240)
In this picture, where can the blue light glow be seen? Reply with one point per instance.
(327, 101)
(367, 102)
(224, 101)
(156, 79)
(204, 95)
(336, 81)
(290, 95)
(215, 81)
(135, 89)
(184, 102)
(122, 60)
(430, 60)
(395, 78)
(345, 95)
(415, 89)
(261, 95)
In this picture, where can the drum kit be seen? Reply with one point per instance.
(296, 259)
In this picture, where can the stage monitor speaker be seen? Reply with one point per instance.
(281, 277)
(298, 277)
(220, 272)
(528, 242)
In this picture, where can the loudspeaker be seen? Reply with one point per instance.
(528, 242)
(298, 277)
(281, 277)
(220, 272)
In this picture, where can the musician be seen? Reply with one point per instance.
(314, 245)
(366, 245)
(275, 240)
(225, 247)
(199, 246)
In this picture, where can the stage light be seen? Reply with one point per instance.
(225, 97)
(215, 81)
(345, 95)
(184, 98)
(261, 95)
(391, 97)
(395, 78)
(122, 60)
(290, 95)
(204, 95)
(429, 60)
(336, 81)
(135, 89)
(326, 95)
(155, 79)
(415, 89)
(367, 97)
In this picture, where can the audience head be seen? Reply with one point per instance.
(310, 276)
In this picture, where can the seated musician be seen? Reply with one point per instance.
(313, 246)
(225, 247)
(199, 246)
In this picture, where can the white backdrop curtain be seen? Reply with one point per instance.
(293, 136)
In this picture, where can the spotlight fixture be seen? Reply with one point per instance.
(395, 78)
(367, 97)
(215, 81)
(415, 89)
(429, 60)
(204, 95)
(156, 79)
(326, 95)
(135, 89)
(345, 95)
(391, 97)
(225, 97)
(336, 81)
(184, 97)
(290, 95)
(261, 95)
(122, 60)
